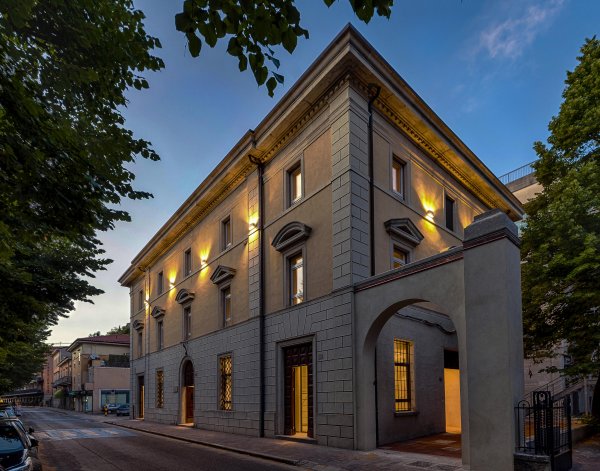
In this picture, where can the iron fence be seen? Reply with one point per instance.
(544, 428)
(520, 172)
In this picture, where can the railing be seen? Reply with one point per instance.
(520, 172)
(544, 429)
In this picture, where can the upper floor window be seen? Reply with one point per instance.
(187, 322)
(140, 299)
(226, 306)
(225, 383)
(160, 281)
(296, 278)
(449, 205)
(402, 372)
(398, 170)
(399, 255)
(187, 262)
(140, 343)
(226, 236)
(294, 184)
(159, 335)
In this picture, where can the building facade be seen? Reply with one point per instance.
(99, 371)
(326, 281)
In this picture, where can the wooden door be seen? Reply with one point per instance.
(189, 404)
(297, 355)
(140, 397)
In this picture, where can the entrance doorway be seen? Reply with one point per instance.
(188, 392)
(452, 391)
(140, 413)
(298, 390)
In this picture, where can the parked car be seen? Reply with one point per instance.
(112, 408)
(7, 411)
(123, 409)
(17, 448)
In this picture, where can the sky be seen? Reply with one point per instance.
(493, 70)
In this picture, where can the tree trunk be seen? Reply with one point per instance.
(596, 400)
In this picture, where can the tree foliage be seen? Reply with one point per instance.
(561, 241)
(64, 69)
(254, 28)
(120, 329)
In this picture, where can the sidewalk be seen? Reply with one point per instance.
(305, 456)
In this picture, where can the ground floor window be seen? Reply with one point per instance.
(160, 387)
(226, 386)
(114, 396)
(402, 379)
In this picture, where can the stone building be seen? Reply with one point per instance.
(293, 295)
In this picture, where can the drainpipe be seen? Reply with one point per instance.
(374, 91)
(261, 290)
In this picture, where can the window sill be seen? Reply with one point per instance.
(408, 413)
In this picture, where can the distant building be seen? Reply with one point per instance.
(61, 383)
(99, 371)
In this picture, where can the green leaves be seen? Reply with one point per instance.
(561, 240)
(255, 28)
(64, 71)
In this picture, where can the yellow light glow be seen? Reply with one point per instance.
(253, 222)
(204, 258)
(429, 215)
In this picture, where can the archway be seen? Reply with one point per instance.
(478, 286)
(187, 392)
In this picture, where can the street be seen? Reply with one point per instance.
(72, 442)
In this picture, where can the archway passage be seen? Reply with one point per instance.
(188, 392)
(478, 287)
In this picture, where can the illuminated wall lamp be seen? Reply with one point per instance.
(203, 262)
(429, 215)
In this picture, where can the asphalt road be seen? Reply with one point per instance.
(69, 443)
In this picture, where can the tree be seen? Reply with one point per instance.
(561, 241)
(255, 28)
(120, 329)
(64, 155)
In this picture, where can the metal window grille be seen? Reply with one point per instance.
(225, 367)
(160, 392)
(402, 386)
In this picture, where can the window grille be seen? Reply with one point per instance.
(402, 380)
(226, 393)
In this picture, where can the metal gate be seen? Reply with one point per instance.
(544, 428)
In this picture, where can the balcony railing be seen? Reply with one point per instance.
(62, 381)
(520, 172)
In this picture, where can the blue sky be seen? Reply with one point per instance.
(492, 70)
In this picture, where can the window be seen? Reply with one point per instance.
(160, 283)
(398, 176)
(402, 381)
(449, 208)
(140, 337)
(187, 262)
(296, 279)
(226, 233)
(141, 300)
(225, 384)
(294, 184)
(159, 335)
(226, 306)
(187, 322)
(399, 256)
(160, 388)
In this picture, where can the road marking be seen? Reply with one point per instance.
(81, 433)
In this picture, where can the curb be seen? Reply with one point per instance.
(255, 454)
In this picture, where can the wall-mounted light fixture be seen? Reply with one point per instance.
(253, 222)
(429, 214)
(203, 262)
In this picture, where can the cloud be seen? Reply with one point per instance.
(508, 39)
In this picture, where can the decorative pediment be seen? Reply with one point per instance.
(184, 296)
(404, 229)
(137, 325)
(157, 312)
(291, 234)
(221, 274)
